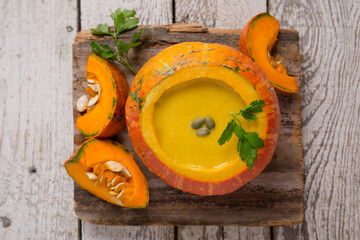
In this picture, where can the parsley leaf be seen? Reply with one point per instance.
(248, 142)
(137, 36)
(239, 131)
(250, 154)
(254, 107)
(103, 50)
(227, 134)
(239, 145)
(123, 20)
(104, 28)
(253, 139)
(96, 48)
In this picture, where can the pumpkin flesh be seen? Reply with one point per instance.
(256, 41)
(93, 152)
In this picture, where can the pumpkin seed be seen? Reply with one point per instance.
(95, 87)
(120, 194)
(93, 100)
(118, 201)
(126, 173)
(114, 181)
(102, 178)
(117, 180)
(113, 193)
(81, 103)
(119, 186)
(202, 132)
(91, 175)
(197, 123)
(114, 166)
(210, 123)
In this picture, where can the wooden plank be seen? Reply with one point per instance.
(331, 116)
(149, 12)
(275, 197)
(200, 232)
(115, 232)
(247, 233)
(36, 129)
(223, 233)
(152, 12)
(225, 14)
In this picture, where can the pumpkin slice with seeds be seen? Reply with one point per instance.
(108, 170)
(103, 107)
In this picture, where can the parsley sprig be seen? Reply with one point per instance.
(123, 20)
(248, 142)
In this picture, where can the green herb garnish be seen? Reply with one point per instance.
(248, 142)
(123, 20)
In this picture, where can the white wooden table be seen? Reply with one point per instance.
(36, 129)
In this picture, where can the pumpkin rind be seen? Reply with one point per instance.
(94, 151)
(109, 119)
(259, 48)
(181, 56)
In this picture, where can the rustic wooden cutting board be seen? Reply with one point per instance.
(275, 197)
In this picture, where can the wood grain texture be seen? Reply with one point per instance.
(330, 37)
(223, 233)
(35, 125)
(127, 233)
(246, 233)
(225, 14)
(152, 12)
(274, 197)
(200, 232)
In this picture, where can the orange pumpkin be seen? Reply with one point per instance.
(106, 118)
(108, 170)
(187, 81)
(256, 41)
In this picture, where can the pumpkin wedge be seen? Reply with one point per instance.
(207, 82)
(108, 170)
(256, 41)
(108, 90)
